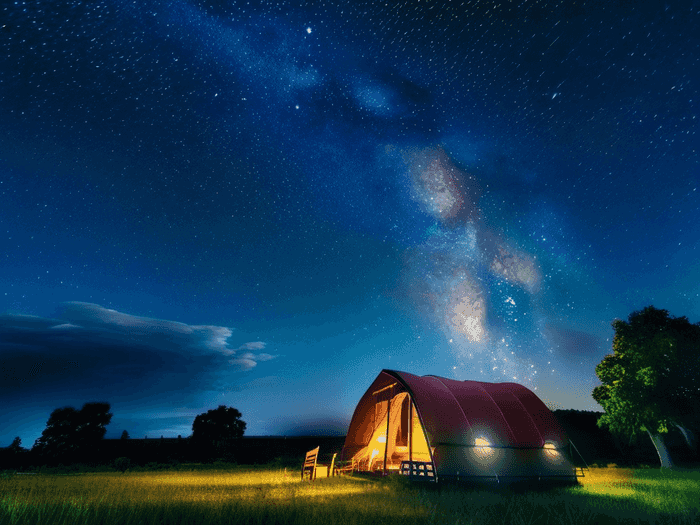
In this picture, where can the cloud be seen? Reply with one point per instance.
(158, 333)
(310, 426)
(573, 346)
(244, 363)
(249, 360)
(257, 345)
(89, 348)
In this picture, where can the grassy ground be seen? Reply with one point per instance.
(265, 496)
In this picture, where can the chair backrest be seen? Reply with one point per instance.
(331, 471)
(310, 464)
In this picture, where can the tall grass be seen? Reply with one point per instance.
(275, 496)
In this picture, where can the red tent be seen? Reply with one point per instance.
(439, 428)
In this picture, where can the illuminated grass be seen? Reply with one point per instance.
(276, 496)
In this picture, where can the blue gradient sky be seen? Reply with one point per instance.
(263, 204)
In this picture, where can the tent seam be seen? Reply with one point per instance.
(528, 415)
(512, 434)
(458, 405)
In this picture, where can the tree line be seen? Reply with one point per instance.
(75, 436)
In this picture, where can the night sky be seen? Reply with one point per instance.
(262, 204)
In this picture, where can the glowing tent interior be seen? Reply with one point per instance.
(439, 428)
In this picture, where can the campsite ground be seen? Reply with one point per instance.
(265, 495)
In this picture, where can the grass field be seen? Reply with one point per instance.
(265, 496)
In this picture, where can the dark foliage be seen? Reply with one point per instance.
(14, 456)
(73, 435)
(652, 378)
(651, 381)
(216, 433)
(16, 445)
(122, 464)
(598, 445)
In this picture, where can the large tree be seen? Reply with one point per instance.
(71, 435)
(215, 432)
(651, 381)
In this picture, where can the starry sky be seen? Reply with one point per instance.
(263, 203)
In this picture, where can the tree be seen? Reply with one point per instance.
(216, 431)
(125, 435)
(13, 456)
(16, 445)
(72, 434)
(651, 381)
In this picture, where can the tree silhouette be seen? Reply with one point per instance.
(650, 381)
(13, 456)
(16, 445)
(125, 435)
(72, 434)
(215, 432)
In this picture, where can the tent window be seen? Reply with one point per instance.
(402, 434)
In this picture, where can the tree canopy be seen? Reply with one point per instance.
(70, 432)
(650, 381)
(16, 445)
(217, 429)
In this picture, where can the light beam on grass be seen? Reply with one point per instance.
(271, 496)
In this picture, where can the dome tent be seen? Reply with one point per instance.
(440, 429)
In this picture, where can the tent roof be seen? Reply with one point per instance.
(457, 412)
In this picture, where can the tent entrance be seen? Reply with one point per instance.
(396, 435)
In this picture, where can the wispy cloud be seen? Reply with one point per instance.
(86, 346)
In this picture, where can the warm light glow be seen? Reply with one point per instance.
(481, 442)
(550, 450)
(483, 448)
(395, 444)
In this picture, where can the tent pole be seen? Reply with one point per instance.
(386, 440)
(410, 430)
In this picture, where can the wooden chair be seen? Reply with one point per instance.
(346, 466)
(311, 464)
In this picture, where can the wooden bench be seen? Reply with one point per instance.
(311, 464)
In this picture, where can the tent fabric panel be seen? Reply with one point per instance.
(442, 415)
(396, 448)
(484, 416)
(530, 462)
(547, 423)
(370, 457)
(525, 432)
(419, 444)
(464, 462)
(458, 460)
(362, 422)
